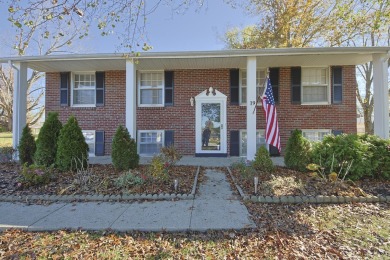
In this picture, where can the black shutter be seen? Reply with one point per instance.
(273, 151)
(99, 143)
(274, 78)
(337, 73)
(296, 85)
(168, 138)
(234, 86)
(100, 78)
(168, 88)
(337, 132)
(234, 143)
(64, 88)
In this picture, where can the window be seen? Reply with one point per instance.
(151, 86)
(315, 135)
(89, 136)
(315, 85)
(84, 89)
(260, 78)
(150, 142)
(260, 141)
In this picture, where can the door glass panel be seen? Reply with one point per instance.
(211, 127)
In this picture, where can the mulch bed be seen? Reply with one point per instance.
(286, 182)
(100, 180)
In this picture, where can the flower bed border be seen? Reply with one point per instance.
(101, 197)
(319, 199)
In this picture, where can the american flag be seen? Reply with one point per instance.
(272, 134)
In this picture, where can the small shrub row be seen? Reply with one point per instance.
(364, 155)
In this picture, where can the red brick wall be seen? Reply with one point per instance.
(106, 118)
(181, 117)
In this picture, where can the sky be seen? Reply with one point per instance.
(194, 30)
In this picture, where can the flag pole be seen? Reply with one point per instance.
(260, 96)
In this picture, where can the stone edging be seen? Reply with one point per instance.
(308, 199)
(102, 198)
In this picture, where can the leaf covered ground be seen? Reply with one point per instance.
(100, 179)
(287, 182)
(350, 231)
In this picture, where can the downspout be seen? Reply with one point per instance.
(15, 114)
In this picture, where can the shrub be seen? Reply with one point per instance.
(171, 155)
(47, 140)
(129, 180)
(7, 154)
(124, 150)
(246, 171)
(297, 151)
(346, 148)
(26, 146)
(158, 168)
(71, 147)
(35, 175)
(263, 161)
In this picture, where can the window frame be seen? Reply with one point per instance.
(329, 131)
(94, 142)
(327, 85)
(240, 140)
(139, 132)
(241, 71)
(73, 75)
(143, 88)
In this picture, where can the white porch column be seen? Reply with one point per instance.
(19, 102)
(250, 105)
(131, 98)
(381, 96)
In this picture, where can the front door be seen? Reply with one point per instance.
(211, 124)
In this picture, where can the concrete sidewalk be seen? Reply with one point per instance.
(214, 208)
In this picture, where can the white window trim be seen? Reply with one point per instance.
(240, 81)
(328, 131)
(94, 142)
(328, 102)
(139, 88)
(257, 131)
(148, 131)
(72, 88)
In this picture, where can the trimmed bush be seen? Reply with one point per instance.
(72, 150)
(35, 175)
(124, 150)
(47, 140)
(26, 146)
(263, 161)
(297, 152)
(370, 155)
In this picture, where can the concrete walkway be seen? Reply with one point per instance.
(214, 208)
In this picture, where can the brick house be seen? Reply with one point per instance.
(172, 98)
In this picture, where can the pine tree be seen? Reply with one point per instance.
(26, 146)
(124, 150)
(47, 140)
(72, 150)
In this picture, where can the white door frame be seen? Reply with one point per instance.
(210, 97)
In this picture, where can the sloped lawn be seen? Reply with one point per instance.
(359, 231)
(286, 182)
(98, 179)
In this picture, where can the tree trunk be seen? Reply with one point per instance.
(368, 124)
(9, 123)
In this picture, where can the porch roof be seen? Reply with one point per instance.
(202, 59)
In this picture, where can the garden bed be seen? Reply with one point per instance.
(286, 182)
(99, 179)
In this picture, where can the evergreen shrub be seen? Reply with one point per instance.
(263, 161)
(297, 155)
(27, 146)
(124, 150)
(72, 150)
(47, 140)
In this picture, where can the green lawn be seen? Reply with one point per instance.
(5, 139)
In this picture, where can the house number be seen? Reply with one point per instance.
(252, 103)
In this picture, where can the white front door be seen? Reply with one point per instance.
(211, 124)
